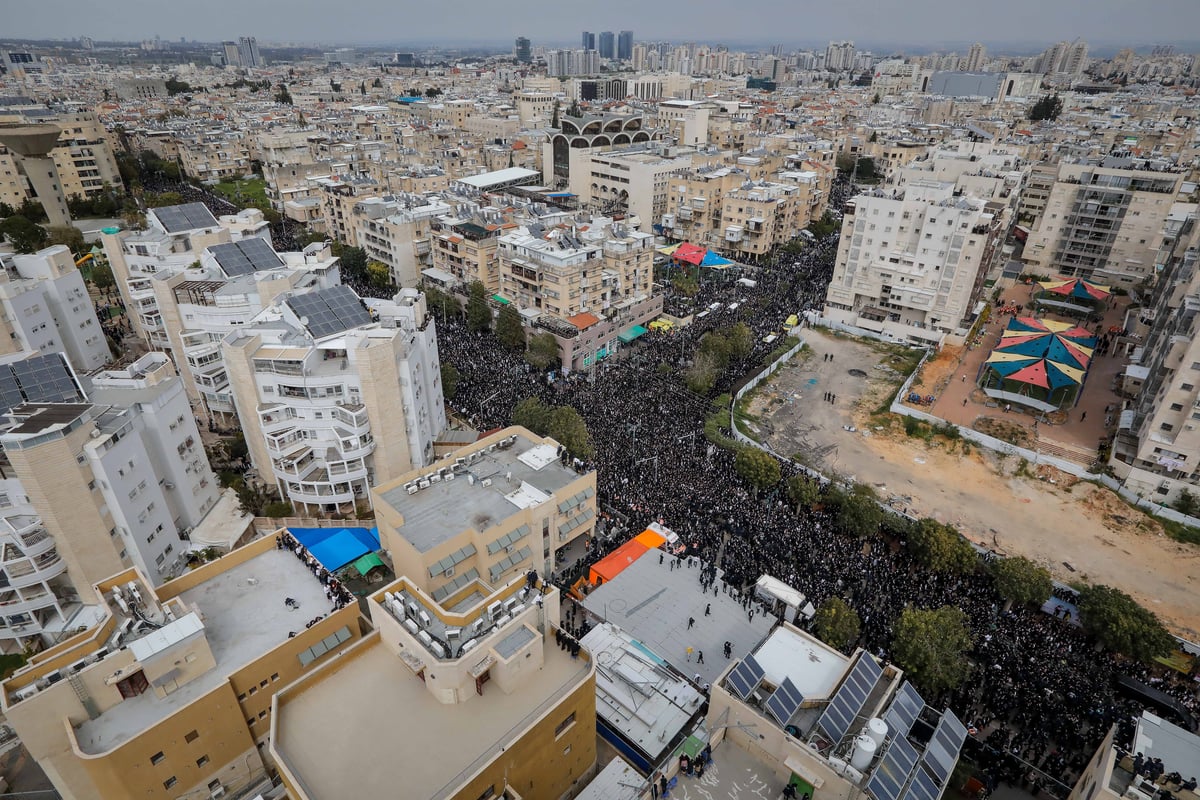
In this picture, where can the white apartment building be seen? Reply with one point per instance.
(336, 395)
(233, 283)
(910, 262)
(172, 242)
(38, 596)
(121, 480)
(46, 309)
(631, 180)
(396, 230)
(1103, 221)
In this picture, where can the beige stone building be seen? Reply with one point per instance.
(1103, 221)
(83, 158)
(170, 694)
(397, 231)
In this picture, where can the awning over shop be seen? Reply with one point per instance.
(628, 336)
(368, 562)
(501, 299)
(439, 275)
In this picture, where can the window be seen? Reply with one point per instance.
(1166, 426)
(169, 782)
(275, 677)
(262, 714)
(191, 736)
(1177, 406)
(213, 785)
(201, 761)
(157, 757)
(565, 725)
(488, 793)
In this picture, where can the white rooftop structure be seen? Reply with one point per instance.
(813, 668)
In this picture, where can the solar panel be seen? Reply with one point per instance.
(905, 709)
(888, 779)
(945, 746)
(850, 698)
(37, 379)
(923, 787)
(330, 311)
(186, 217)
(784, 701)
(245, 257)
(745, 677)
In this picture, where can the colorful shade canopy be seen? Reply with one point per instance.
(1076, 288)
(1043, 353)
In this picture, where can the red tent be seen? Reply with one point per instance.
(689, 253)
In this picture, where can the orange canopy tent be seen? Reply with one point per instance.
(651, 539)
(615, 562)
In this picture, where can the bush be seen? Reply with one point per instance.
(278, 510)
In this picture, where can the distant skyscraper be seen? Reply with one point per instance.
(975, 57)
(839, 56)
(230, 54)
(588, 41)
(625, 45)
(521, 50)
(607, 49)
(248, 52)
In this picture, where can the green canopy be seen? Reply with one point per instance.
(628, 336)
(501, 299)
(367, 563)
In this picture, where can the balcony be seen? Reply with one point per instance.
(36, 543)
(30, 571)
(287, 446)
(320, 493)
(349, 470)
(275, 419)
(12, 603)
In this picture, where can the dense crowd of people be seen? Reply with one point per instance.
(1040, 697)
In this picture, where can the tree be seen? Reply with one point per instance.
(740, 341)
(335, 87)
(568, 429)
(377, 84)
(756, 467)
(379, 274)
(803, 491)
(941, 548)
(554, 115)
(25, 236)
(362, 87)
(859, 513)
(1119, 623)
(533, 414)
(354, 263)
(283, 96)
(1021, 581)
(542, 352)
(509, 329)
(1048, 107)
(702, 374)
(163, 199)
(175, 87)
(67, 235)
(1187, 503)
(433, 91)
(931, 646)
(443, 303)
(479, 314)
(449, 381)
(837, 624)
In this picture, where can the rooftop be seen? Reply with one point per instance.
(488, 491)
(813, 668)
(652, 603)
(234, 636)
(1178, 748)
(350, 719)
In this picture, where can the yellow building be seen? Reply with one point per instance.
(502, 506)
(464, 699)
(169, 694)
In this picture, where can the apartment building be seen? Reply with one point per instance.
(338, 195)
(397, 230)
(493, 706)
(1157, 448)
(169, 694)
(1103, 221)
(46, 309)
(82, 158)
(120, 480)
(911, 261)
(832, 725)
(231, 284)
(588, 287)
(632, 181)
(492, 511)
(464, 250)
(1036, 192)
(1110, 774)
(217, 154)
(336, 395)
(38, 597)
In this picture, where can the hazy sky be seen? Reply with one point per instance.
(915, 22)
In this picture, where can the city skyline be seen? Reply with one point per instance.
(920, 23)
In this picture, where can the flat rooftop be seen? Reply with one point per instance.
(1179, 749)
(637, 694)
(244, 617)
(445, 509)
(652, 603)
(375, 721)
(814, 668)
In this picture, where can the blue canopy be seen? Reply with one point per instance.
(711, 259)
(337, 547)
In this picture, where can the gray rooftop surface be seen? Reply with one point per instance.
(242, 620)
(445, 509)
(1179, 749)
(652, 603)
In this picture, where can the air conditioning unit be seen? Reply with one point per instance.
(218, 792)
(449, 573)
(169, 485)
(486, 482)
(423, 483)
(411, 488)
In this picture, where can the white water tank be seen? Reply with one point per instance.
(877, 729)
(864, 751)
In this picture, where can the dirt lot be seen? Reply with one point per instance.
(1076, 529)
